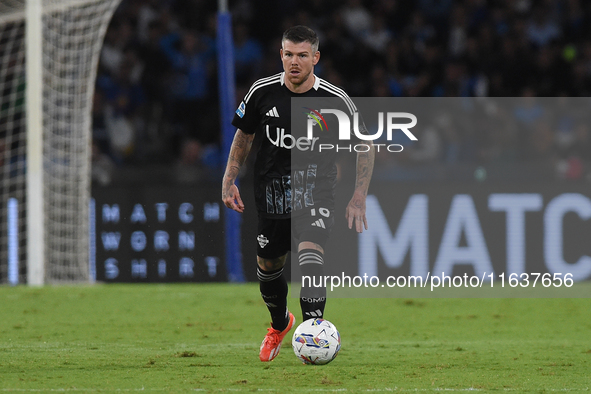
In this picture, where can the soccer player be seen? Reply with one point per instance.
(292, 202)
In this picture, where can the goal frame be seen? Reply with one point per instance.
(34, 135)
(52, 160)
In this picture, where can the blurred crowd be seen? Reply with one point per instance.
(156, 99)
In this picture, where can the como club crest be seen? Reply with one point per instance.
(263, 241)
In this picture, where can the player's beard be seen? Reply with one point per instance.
(300, 79)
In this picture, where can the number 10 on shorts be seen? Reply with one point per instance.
(322, 211)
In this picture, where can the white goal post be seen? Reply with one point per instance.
(50, 47)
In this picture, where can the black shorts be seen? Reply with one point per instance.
(276, 237)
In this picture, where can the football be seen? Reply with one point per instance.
(316, 341)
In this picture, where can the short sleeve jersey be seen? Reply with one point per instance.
(286, 185)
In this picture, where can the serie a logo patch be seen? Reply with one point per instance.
(241, 109)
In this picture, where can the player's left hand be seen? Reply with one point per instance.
(356, 212)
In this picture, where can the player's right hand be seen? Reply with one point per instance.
(232, 200)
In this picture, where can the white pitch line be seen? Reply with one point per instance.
(335, 390)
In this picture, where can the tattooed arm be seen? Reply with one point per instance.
(356, 207)
(238, 153)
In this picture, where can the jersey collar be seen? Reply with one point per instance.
(316, 81)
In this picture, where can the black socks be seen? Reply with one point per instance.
(274, 292)
(313, 292)
(274, 289)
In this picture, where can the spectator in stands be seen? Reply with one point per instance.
(102, 166)
(190, 108)
(378, 36)
(356, 17)
(541, 29)
(401, 48)
(248, 54)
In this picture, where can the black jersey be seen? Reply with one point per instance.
(287, 180)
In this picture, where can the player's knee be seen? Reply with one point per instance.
(271, 264)
(310, 245)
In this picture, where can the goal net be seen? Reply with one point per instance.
(49, 51)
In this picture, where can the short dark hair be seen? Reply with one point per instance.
(298, 34)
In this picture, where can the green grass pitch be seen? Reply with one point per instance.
(179, 338)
